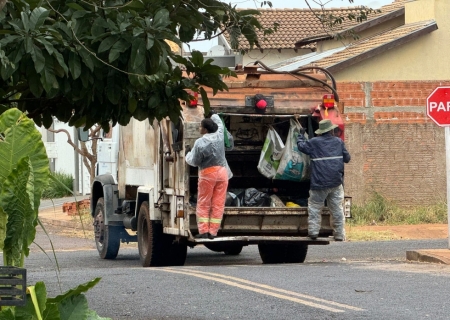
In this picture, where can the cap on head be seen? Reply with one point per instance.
(325, 126)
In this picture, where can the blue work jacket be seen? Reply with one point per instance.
(327, 154)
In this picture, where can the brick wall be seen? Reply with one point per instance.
(396, 150)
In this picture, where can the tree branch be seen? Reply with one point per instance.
(69, 141)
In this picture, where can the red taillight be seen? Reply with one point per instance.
(193, 102)
(328, 101)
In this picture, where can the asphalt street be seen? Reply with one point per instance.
(340, 281)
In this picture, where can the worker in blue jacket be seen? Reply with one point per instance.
(328, 155)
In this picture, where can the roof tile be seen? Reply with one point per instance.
(295, 24)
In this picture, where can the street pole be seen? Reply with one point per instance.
(76, 181)
(447, 161)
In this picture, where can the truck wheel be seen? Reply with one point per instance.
(271, 253)
(233, 250)
(296, 253)
(228, 249)
(107, 238)
(177, 252)
(216, 247)
(150, 239)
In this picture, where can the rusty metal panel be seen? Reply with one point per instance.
(138, 153)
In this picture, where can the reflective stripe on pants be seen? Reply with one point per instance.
(335, 200)
(212, 191)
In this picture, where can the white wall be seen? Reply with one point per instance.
(62, 154)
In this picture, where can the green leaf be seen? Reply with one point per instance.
(74, 65)
(38, 58)
(107, 43)
(186, 33)
(48, 78)
(132, 105)
(119, 47)
(25, 21)
(205, 100)
(150, 41)
(161, 19)
(75, 291)
(98, 27)
(137, 54)
(7, 314)
(34, 82)
(113, 88)
(136, 4)
(22, 139)
(87, 58)
(17, 199)
(75, 6)
(48, 46)
(61, 61)
(37, 18)
(74, 307)
(197, 58)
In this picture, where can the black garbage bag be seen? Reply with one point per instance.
(254, 198)
(232, 200)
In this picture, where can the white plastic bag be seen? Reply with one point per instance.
(294, 165)
(270, 154)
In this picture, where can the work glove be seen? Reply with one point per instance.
(302, 131)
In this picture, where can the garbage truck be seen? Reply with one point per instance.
(145, 192)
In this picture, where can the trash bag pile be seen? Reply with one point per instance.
(252, 197)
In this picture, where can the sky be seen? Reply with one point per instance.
(374, 4)
(288, 4)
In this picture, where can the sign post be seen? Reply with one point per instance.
(438, 110)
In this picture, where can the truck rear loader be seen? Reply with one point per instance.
(146, 192)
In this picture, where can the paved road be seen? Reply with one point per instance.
(351, 280)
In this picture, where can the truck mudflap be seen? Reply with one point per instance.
(247, 240)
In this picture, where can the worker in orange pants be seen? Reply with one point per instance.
(208, 154)
(212, 190)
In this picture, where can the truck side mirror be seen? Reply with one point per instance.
(83, 135)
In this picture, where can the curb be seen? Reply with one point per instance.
(441, 256)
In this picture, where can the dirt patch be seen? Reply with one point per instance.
(403, 232)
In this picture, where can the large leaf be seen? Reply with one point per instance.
(138, 53)
(20, 139)
(38, 17)
(38, 58)
(74, 308)
(75, 291)
(74, 65)
(161, 19)
(17, 200)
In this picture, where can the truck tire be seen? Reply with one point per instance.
(271, 252)
(228, 249)
(296, 253)
(233, 250)
(151, 240)
(177, 252)
(107, 238)
(283, 253)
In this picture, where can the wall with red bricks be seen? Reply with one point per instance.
(396, 150)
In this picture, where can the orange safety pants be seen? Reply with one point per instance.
(212, 192)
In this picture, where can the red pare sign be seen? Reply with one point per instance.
(438, 106)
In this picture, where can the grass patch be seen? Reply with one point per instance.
(58, 190)
(381, 211)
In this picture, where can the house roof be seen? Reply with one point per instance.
(296, 25)
(340, 58)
